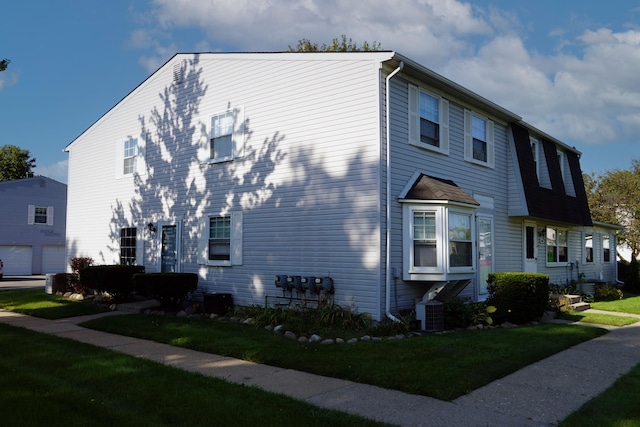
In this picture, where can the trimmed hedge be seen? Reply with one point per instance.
(114, 279)
(518, 297)
(168, 288)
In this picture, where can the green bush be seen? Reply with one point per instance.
(607, 293)
(169, 288)
(113, 279)
(629, 273)
(518, 297)
(457, 314)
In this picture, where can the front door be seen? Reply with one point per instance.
(169, 256)
(530, 248)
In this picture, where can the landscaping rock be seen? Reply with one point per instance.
(303, 339)
(327, 341)
(352, 341)
(269, 328)
(278, 329)
(315, 338)
(290, 335)
(181, 313)
(365, 338)
(339, 341)
(508, 325)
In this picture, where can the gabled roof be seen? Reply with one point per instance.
(431, 188)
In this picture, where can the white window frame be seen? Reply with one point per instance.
(608, 239)
(555, 262)
(468, 139)
(561, 158)
(585, 248)
(535, 151)
(134, 154)
(471, 241)
(235, 243)
(415, 118)
(443, 264)
(31, 215)
(205, 150)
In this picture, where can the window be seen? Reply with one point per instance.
(40, 215)
(588, 247)
(428, 120)
(220, 240)
(460, 240)
(128, 244)
(534, 153)
(424, 239)
(606, 251)
(130, 154)
(561, 157)
(557, 250)
(225, 140)
(130, 157)
(479, 146)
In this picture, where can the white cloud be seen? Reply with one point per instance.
(8, 78)
(589, 96)
(57, 171)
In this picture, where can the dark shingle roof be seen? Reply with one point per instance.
(431, 188)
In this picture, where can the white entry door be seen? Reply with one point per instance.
(530, 249)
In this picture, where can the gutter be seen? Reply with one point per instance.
(388, 231)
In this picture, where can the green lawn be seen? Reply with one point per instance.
(46, 380)
(598, 318)
(629, 304)
(442, 366)
(35, 302)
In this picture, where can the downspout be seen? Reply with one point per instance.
(388, 231)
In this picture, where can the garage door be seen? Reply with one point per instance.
(53, 259)
(16, 259)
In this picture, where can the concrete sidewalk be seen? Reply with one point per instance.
(539, 395)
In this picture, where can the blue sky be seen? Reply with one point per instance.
(568, 67)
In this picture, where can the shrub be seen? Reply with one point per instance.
(457, 314)
(607, 293)
(78, 263)
(629, 273)
(169, 288)
(518, 297)
(113, 279)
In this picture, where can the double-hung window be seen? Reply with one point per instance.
(130, 157)
(588, 248)
(460, 240)
(225, 138)
(478, 141)
(534, 152)
(220, 239)
(130, 154)
(425, 246)
(40, 215)
(606, 249)
(557, 246)
(428, 120)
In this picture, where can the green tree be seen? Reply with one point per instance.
(336, 45)
(614, 197)
(4, 64)
(15, 163)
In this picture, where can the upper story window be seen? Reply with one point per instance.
(557, 246)
(130, 157)
(606, 249)
(225, 140)
(220, 240)
(588, 248)
(478, 141)
(534, 152)
(130, 154)
(40, 215)
(428, 120)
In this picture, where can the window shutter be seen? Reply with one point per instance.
(238, 132)
(236, 238)
(203, 240)
(119, 166)
(31, 215)
(49, 215)
(204, 144)
(468, 142)
(444, 125)
(141, 158)
(414, 117)
(491, 158)
(139, 246)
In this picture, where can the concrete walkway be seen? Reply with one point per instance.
(541, 394)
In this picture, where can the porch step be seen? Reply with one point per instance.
(580, 306)
(573, 301)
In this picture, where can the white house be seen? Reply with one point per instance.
(32, 226)
(364, 167)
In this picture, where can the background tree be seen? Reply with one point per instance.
(4, 64)
(614, 197)
(15, 163)
(336, 45)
